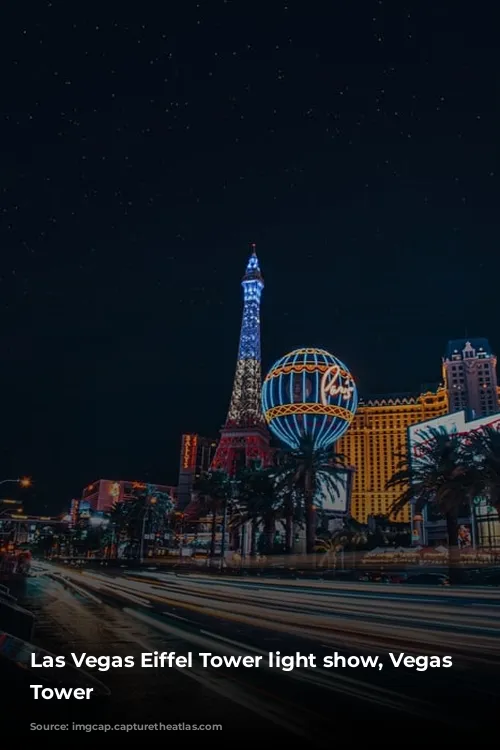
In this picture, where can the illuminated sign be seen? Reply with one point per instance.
(114, 491)
(189, 450)
(309, 393)
(75, 508)
(333, 497)
(333, 383)
(419, 435)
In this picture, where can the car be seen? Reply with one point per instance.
(428, 579)
(395, 578)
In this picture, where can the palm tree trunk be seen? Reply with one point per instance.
(269, 533)
(214, 533)
(453, 550)
(288, 524)
(310, 516)
(253, 539)
(223, 539)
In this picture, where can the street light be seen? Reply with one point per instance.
(23, 481)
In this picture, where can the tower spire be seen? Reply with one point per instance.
(245, 429)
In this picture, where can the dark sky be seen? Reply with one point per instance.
(142, 151)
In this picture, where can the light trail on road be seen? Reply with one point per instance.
(350, 616)
(249, 617)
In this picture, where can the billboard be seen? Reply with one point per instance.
(85, 509)
(465, 536)
(483, 515)
(452, 423)
(492, 421)
(336, 503)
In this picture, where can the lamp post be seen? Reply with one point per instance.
(149, 501)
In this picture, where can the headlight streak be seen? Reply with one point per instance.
(365, 623)
(335, 682)
(103, 587)
(330, 622)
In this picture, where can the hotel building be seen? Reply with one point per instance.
(100, 496)
(374, 443)
(470, 378)
(196, 457)
(378, 434)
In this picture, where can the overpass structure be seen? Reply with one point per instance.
(34, 520)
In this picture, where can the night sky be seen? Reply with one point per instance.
(143, 151)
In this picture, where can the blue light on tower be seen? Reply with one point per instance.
(252, 284)
(244, 438)
(244, 409)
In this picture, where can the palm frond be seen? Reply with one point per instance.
(443, 472)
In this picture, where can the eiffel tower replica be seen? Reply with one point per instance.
(244, 437)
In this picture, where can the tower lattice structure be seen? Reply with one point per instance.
(244, 437)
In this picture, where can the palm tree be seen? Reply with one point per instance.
(484, 447)
(357, 536)
(444, 476)
(331, 545)
(147, 505)
(258, 503)
(215, 492)
(288, 493)
(120, 525)
(312, 473)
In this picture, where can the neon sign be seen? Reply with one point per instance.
(334, 384)
(74, 513)
(309, 392)
(115, 491)
(189, 450)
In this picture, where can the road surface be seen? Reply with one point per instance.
(126, 613)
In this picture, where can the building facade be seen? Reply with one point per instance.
(374, 443)
(100, 496)
(470, 378)
(478, 523)
(197, 454)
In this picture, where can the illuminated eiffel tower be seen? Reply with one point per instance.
(244, 437)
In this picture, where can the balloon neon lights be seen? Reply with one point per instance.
(309, 392)
(336, 383)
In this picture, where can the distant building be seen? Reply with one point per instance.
(374, 443)
(196, 457)
(470, 378)
(101, 495)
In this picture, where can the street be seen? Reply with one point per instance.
(129, 613)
